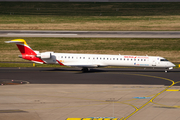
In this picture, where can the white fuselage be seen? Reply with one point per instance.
(100, 60)
(86, 61)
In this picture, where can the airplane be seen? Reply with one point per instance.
(86, 61)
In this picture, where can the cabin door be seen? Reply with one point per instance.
(154, 62)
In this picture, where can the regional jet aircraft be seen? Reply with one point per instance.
(86, 61)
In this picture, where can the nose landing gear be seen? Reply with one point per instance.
(170, 68)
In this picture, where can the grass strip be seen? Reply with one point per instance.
(89, 8)
(89, 16)
(115, 44)
(104, 23)
(19, 65)
(168, 48)
(28, 65)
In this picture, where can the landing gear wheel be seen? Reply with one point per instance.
(85, 69)
(166, 71)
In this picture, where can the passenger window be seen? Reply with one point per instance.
(83, 57)
(61, 56)
(113, 58)
(65, 56)
(134, 59)
(69, 57)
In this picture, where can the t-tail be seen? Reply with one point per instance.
(26, 51)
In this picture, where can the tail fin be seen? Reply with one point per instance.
(23, 46)
(26, 51)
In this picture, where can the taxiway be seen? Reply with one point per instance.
(90, 34)
(60, 93)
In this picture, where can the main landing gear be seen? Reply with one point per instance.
(85, 69)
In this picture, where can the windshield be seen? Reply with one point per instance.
(163, 60)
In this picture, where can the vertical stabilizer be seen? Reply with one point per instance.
(23, 46)
(26, 51)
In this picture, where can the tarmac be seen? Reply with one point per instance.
(154, 96)
(90, 34)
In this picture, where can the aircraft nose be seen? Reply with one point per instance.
(170, 64)
(173, 65)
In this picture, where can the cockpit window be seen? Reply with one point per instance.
(163, 60)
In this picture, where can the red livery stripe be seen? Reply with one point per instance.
(60, 62)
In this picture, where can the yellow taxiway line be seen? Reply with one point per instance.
(151, 100)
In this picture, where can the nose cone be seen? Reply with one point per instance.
(172, 65)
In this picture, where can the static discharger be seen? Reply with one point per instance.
(94, 118)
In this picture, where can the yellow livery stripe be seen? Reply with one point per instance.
(21, 41)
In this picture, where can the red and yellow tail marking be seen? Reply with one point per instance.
(26, 51)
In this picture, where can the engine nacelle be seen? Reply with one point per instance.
(44, 55)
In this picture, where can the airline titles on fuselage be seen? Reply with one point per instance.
(133, 60)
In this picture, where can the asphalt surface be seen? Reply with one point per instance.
(92, 34)
(61, 93)
(131, 76)
(91, 0)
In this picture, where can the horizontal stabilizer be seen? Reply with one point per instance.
(13, 42)
(17, 41)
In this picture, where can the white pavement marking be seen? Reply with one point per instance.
(37, 34)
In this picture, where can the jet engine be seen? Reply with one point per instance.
(45, 55)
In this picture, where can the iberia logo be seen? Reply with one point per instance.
(141, 57)
(61, 60)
